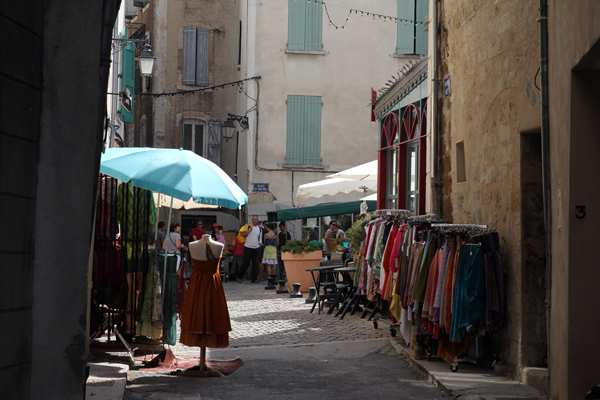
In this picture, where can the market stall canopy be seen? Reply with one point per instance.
(372, 197)
(333, 186)
(165, 201)
(175, 172)
(323, 210)
(363, 172)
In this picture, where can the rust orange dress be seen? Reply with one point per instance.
(205, 318)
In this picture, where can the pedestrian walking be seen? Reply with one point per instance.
(271, 242)
(237, 248)
(252, 248)
(284, 236)
(174, 244)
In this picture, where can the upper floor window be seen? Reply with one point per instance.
(305, 25)
(196, 43)
(194, 136)
(303, 130)
(412, 38)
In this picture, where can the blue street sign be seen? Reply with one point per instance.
(261, 187)
(447, 92)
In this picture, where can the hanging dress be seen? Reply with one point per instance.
(205, 319)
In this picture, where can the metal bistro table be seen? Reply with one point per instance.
(320, 272)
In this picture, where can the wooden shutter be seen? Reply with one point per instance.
(296, 24)
(314, 27)
(128, 79)
(202, 56)
(214, 142)
(422, 12)
(304, 130)
(189, 56)
(406, 31)
(295, 130)
(312, 133)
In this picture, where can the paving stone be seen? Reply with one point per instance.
(260, 319)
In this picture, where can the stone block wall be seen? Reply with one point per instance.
(490, 51)
(21, 29)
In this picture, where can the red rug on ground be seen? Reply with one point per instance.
(167, 361)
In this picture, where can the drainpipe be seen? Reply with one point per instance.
(435, 185)
(545, 137)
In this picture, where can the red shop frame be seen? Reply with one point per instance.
(400, 134)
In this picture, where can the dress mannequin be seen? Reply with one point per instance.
(200, 301)
(197, 247)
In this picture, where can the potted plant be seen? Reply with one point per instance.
(297, 256)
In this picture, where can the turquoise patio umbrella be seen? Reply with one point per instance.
(175, 172)
(179, 173)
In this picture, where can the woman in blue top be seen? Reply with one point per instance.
(271, 242)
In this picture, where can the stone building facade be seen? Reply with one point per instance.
(574, 84)
(332, 76)
(185, 102)
(53, 80)
(490, 154)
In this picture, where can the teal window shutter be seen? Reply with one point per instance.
(406, 31)
(314, 27)
(128, 81)
(422, 12)
(312, 128)
(295, 130)
(202, 56)
(296, 24)
(303, 130)
(189, 56)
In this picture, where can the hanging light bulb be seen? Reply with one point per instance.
(323, 5)
(344, 28)
(329, 23)
(362, 14)
(373, 16)
(383, 19)
(405, 22)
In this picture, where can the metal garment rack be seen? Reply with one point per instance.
(391, 211)
(393, 327)
(474, 360)
(444, 225)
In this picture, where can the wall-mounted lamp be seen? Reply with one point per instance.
(146, 60)
(228, 127)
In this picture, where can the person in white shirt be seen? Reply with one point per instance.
(252, 247)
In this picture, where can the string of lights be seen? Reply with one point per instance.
(239, 84)
(362, 13)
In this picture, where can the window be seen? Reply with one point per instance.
(392, 178)
(412, 177)
(303, 130)
(194, 136)
(412, 38)
(305, 25)
(401, 180)
(461, 172)
(195, 68)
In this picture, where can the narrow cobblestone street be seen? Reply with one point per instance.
(293, 354)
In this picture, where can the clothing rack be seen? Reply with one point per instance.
(443, 225)
(391, 211)
(425, 217)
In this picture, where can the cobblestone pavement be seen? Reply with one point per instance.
(261, 317)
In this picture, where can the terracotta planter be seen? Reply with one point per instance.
(295, 265)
